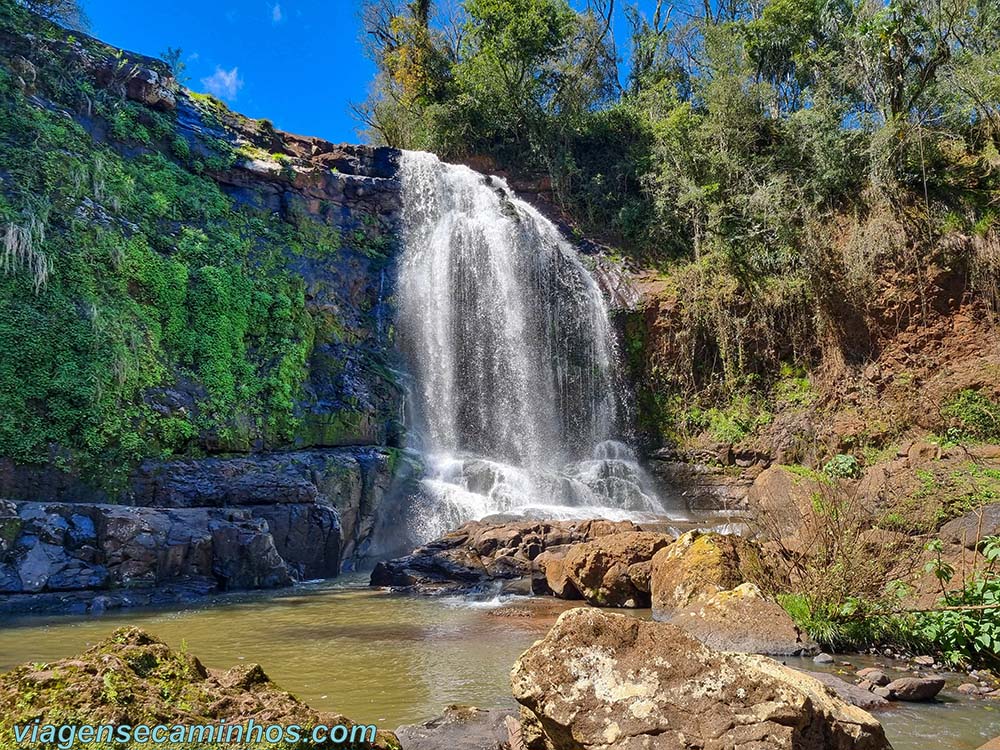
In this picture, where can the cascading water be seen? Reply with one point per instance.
(517, 399)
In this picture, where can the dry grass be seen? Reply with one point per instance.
(22, 251)
(830, 550)
(985, 271)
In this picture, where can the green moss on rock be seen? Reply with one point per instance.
(133, 678)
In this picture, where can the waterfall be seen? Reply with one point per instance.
(517, 402)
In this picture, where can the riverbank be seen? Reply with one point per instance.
(204, 526)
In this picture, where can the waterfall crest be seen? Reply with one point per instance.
(517, 402)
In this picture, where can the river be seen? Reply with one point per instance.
(390, 659)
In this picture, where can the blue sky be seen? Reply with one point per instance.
(298, 63)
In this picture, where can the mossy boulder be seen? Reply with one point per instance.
(697, 564)
(133, 678)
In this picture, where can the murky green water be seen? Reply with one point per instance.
(369, 655)
(394, 660)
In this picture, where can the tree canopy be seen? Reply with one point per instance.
(738, 122)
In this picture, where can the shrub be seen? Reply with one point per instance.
(853, 624)
(842, 466)
(974, 415)
(833, 574)
(965, 626)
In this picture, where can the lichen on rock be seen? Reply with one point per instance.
(610, 682)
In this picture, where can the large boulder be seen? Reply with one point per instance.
(969, 529)
(549, 576)
(614, 570)
(480, 555)
(618, 683)
(134, 679)
(915, 688)
(697, 564)
(744, 620)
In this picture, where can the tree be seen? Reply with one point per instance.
(173, 56)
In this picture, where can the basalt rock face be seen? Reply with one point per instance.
(325, 216)
(617, 683)
(232, 388)
(62, 547)
(217, 525)
(321, 506)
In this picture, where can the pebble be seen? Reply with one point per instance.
(823, 659)
(924, 661)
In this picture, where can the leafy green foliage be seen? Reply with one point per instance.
(153, 277)
(742, 416)
(842, 466)
(965, 630)
(974, 416)
(853, 624)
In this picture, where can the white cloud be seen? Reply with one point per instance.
(276, 15)
(224, 84)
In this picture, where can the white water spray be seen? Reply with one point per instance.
(517, 399)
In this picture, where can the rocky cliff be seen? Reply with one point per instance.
(196, 310)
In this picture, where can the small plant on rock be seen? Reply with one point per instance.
(842, 466)
(974, 416)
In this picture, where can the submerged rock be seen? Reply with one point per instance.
(856, 695)
(617, 683)
(460, 727)
(874, 676)
(132, 678)
(915, 688)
